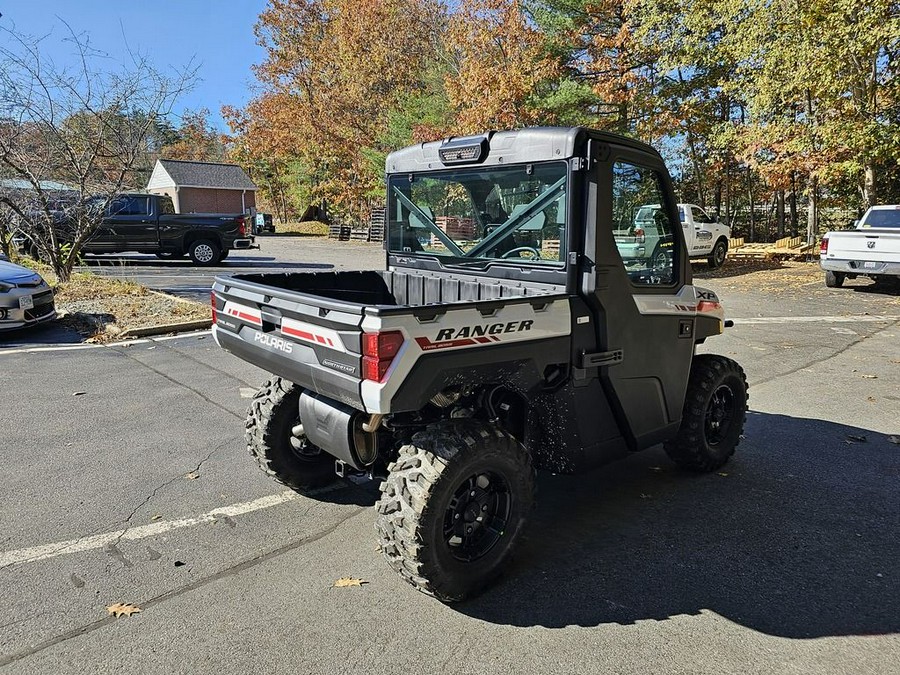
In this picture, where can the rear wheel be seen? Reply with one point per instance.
(205, 252)
(276, 440)
(717, 255)
(715, 408)
(834, 279)
(453, 506)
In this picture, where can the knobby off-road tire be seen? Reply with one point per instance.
(293, 461)
(717, 256)
(834, 279)
(715, 409)
(449, 476)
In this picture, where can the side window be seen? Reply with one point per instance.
(139, 206)
(641, 225)
(129, 206)
(118, 207)
(700, 216)
(166, 207)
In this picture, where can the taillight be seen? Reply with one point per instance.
(379, 350)
(242, 226)
(823, 247)
(708, 306)
(212, 300)
(639, 233)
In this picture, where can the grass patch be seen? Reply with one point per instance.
(101, 309)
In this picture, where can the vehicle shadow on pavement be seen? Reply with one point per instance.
(796, 537)
(734, 268)
(50, 333)
(232, 262)
(876, 289)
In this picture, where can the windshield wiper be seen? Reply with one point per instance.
(428, 223)
(538, 204)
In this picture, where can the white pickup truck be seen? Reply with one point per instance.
(871, 250)
(646, 238)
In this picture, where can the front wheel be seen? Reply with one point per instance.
(717, 256)
(205, 252)
(453, 506)
(834, 279)
(715, 408)
(275, 439)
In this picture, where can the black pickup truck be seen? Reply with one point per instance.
(147, 223)
(510, 332)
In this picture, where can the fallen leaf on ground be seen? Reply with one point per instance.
(870, 377)
(156, 517)
(192, 476)
(894, 439)
(120, 609)
(344, 582)
(871, 399)
(856, 439)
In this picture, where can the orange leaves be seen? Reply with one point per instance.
(334, 70)
(502, 61)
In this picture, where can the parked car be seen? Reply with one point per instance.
(704, 237)
(871, 250)
(25, 298)
(262, 222)
(148, 224)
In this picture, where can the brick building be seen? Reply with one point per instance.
(203, 187)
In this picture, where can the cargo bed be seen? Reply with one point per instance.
(309, 327)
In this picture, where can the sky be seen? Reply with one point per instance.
(217, 35)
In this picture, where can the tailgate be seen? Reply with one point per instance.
(311, 341)
(879, 245)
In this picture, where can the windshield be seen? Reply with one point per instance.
(515, 213)
(881, 218)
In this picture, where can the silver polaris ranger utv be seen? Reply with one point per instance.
(506, 335)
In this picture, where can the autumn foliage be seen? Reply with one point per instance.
(763, 109)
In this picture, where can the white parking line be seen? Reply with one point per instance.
(863, 318)
(46, 551)
(72, 348)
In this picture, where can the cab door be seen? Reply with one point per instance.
(644, 330)
(131, 223)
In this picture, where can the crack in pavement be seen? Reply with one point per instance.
(127, 520)
(176, 592)
(820, 361)
(112, 546)
(124, 352)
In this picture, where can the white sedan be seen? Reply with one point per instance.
(25, 298)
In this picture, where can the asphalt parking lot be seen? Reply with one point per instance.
(126, 480)
(276, 254)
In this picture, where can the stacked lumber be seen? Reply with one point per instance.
(458, 229)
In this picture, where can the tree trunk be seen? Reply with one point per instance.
(750, 195)
(717, 199)
(812, 228)
(869, 187)
(792, 202)
(779, 213)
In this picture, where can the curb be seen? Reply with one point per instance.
(146, 331)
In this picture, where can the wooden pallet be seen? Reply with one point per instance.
(376, 224)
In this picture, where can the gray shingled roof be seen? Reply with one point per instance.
(207, 174)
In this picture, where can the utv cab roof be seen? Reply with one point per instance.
(520, 146)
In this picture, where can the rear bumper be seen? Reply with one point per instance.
(244, 243)
(860, 267)
(295, 362)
